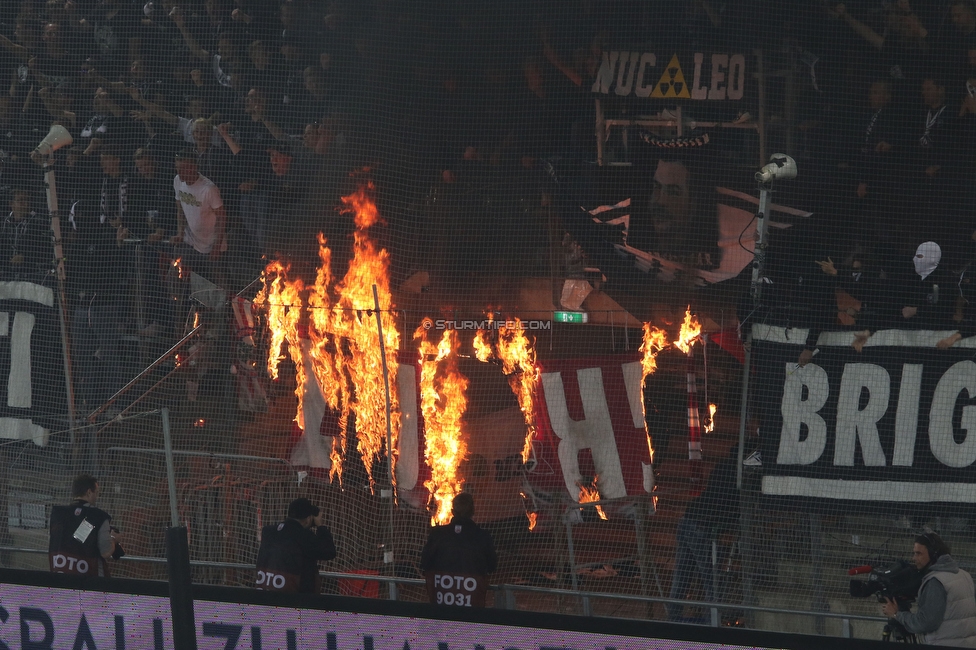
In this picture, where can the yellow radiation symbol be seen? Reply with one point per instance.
(672, 84)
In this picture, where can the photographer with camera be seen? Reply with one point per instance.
(82, 537)
(946, 612)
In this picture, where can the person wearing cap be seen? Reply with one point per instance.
(458, 557)
(288, 559)
(946, 609)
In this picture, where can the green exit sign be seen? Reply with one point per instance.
(571, 317)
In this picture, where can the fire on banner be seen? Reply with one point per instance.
(896, 423)
(590, 422)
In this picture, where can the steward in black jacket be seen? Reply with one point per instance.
(458, 557)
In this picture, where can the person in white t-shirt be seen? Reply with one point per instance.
(200, 213)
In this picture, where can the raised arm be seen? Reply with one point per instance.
(862, 30)
(191, 42)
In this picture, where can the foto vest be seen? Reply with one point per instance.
(66, 554)
(959, 624)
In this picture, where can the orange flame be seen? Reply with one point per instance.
(443, 401)
(533, 519)
(590, 493)
(343, 336)
(282, 299)
(356, 323)
(482, 347)
(710, 425)
(690, 331)
(178, 265)
(655, 340)
(517, 354)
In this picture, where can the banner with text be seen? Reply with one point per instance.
(696, 76)
(894, 423)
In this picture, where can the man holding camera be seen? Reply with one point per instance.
(288, 559)
(946, 612)
(82, 538)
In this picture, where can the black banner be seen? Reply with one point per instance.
(894, 423)
(32, 389)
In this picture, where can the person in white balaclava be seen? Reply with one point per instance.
(923, 300)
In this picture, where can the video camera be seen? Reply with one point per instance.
(899, 581)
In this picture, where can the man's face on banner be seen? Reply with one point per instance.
(671, 202)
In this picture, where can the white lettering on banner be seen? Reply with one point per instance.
(697, 91)
(634, 383)
(19, 380)
(408, 464)
(798, 411)
(594, 432)
(624, 84)
(641, 89)
(854, 424)
(604, 77)
(960, 377)
(629, 73)
(906, 415)
(737, 76)
(720, 62)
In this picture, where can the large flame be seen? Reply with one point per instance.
(355, 324)
(282, 299)
(443, 401)
(516, 351)
(343, 336)
(690, 331)
(591, 493)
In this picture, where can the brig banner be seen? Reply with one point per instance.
(893, 423)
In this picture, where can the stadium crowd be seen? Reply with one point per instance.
(276, 103)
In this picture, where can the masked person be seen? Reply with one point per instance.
(458, 557)
(925, 300)
(946, 610)
(288, 559)
(82, 538)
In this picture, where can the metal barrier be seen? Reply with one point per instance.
(507, 591)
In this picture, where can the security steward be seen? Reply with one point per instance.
(82, 538)
(458, 557)
(288, 559)
(946, 607)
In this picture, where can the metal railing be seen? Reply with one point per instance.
(507, 592)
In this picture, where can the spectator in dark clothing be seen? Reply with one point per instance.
(710, 514)
(458, 557)
(288, 559)
(925, 299)
(25, 242)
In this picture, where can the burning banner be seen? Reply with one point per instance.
(340, 323)
(443, 401)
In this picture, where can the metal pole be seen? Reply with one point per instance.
(63, 319)
(762, 229)
(388, 551)
(744, 407)
(174, 515)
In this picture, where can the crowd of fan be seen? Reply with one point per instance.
(894, 243)
(277, 102)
